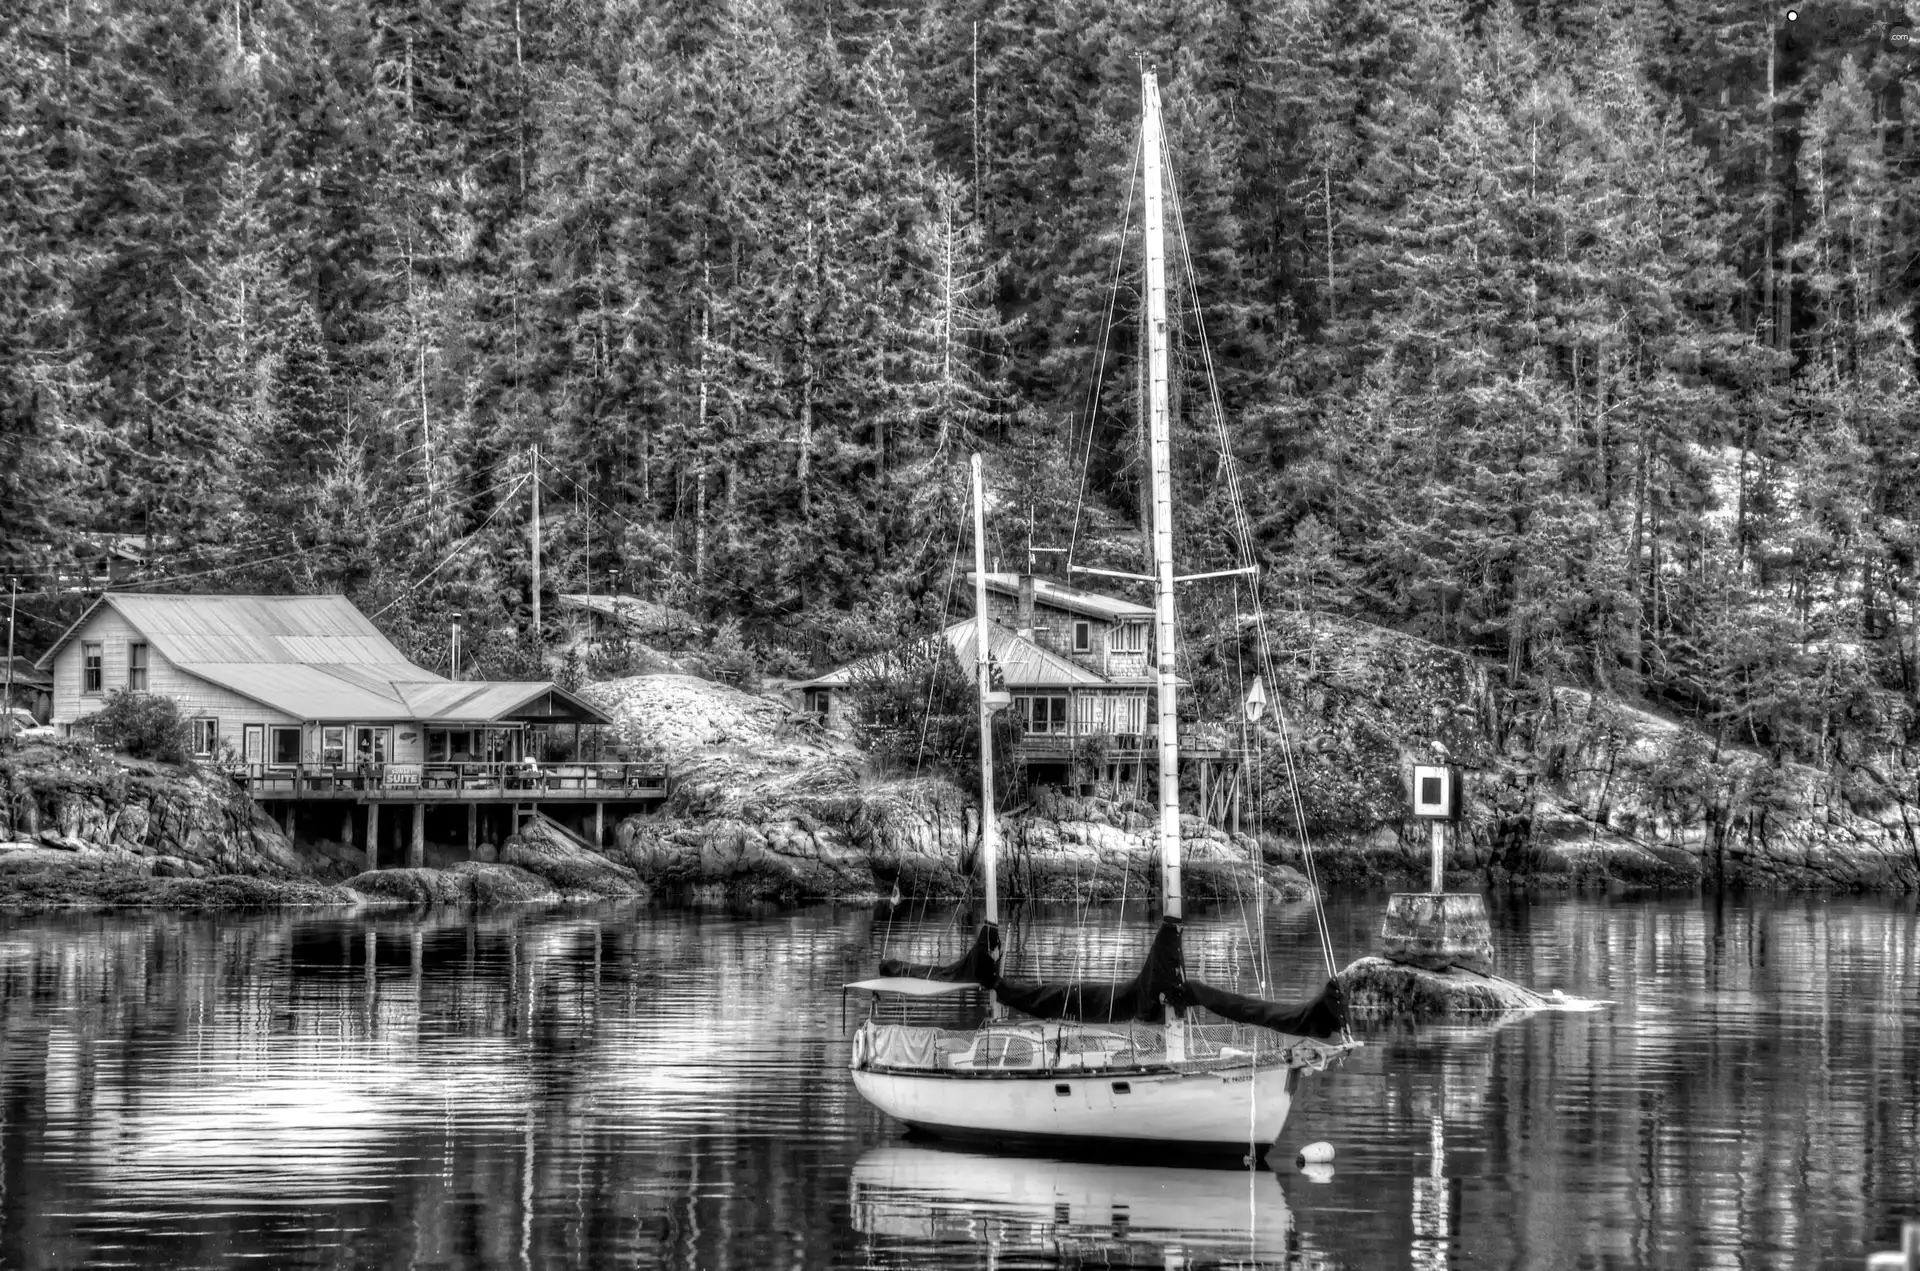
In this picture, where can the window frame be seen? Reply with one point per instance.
(274, 733)
(333, 744)
(1082, 635)
(139, 666)
(205, 735)
(1131, 637)
(817, 701)
(93, 668)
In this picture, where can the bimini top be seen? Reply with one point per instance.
(316, 657)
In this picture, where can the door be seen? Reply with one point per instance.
(372, 745)
(253, 746)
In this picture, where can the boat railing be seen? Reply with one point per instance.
(1048, 1047)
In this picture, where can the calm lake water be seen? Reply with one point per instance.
(639, 1087)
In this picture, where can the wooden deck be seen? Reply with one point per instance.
(457, 782)
(1121, 748)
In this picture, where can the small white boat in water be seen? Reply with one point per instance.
(1098, 1062)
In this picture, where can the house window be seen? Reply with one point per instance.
(1046, 714)
(333, 745)
(818, 700)
(137, 667)
(92, 677)
(285, 747)
(206, 736)
(1083, 637)
(1085, 717)
(1130, 637)
(1133, 715)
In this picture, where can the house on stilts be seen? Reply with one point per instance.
(333, 730)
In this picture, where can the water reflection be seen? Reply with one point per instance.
(916, 1202)
(641, 1087)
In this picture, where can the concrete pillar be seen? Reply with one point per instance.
(417, 855)
(373, 835)
(473, 828)
(599, 825)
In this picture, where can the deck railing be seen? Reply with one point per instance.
(454, 779)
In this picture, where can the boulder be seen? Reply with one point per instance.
(543, 849)
(490, 884)
(411, 886)
(1379, 989)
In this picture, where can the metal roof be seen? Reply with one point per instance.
(312, 657)
(1062, 596)
(482, 701)
(305, 692)
(1023, 664)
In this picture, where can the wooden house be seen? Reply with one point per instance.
(303, 699)
(1076, 664)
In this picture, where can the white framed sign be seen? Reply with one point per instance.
(1436, 792)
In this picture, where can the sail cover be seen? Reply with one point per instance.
(1161, 983)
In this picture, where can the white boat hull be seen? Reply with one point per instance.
(1206, 1111)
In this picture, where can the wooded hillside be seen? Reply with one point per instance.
(1575, 334)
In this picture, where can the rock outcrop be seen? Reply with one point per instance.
(1565, 787)
(760, 810)
(80, 827)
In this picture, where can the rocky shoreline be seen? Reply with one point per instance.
(1567, 790)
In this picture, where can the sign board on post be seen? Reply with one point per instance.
(1436, 792)
(1436, 798)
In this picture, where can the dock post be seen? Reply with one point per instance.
(373, 836)
(291, 805)
(417, 855)
(1439, 858)
(1206, 805)
(599, 825)
(473, 828)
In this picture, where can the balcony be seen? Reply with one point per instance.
(1204, 743)
(455, 782)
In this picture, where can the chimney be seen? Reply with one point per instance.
(1025, 623)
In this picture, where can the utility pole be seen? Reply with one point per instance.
(536, 543)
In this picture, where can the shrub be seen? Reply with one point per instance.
(144, 725)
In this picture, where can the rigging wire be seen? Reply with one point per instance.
(1100, 355)
(1244, 533)
(946, 605)
(456, 549)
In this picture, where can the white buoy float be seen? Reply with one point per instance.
(1316, 1154)
(1320, 1173)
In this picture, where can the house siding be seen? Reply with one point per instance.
(196, 697)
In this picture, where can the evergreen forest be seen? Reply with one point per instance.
(1576, 334)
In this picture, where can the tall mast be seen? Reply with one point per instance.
(1158, 460)
(984, 667)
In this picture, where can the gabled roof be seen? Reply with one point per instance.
(1059, 595)
(478, 701)
(312, 657)
(26, 674)
(1023, 664)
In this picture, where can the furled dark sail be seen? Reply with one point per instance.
(1162, 982)
(1320, 1016)
(1143, 998)
(980, 964)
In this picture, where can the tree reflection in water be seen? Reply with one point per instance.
(641, 1086)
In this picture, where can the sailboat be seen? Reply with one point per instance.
(1101, 1063)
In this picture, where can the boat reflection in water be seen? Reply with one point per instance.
(910, 1199)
